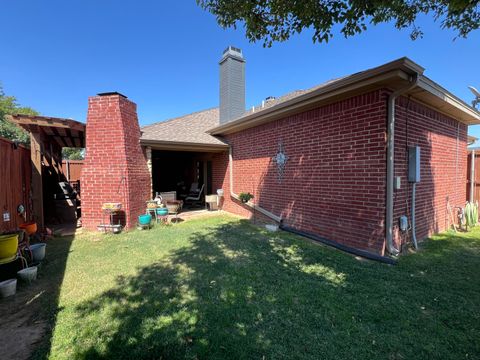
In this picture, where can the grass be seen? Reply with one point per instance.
(221, 288)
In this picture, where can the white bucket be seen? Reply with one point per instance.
(8, 288)
(28, 275)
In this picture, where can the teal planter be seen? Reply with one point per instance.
(162, 211)
(144, 219)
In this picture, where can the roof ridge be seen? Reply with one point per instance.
(178, 117)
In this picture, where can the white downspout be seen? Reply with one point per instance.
(250, 204)
(391, 163)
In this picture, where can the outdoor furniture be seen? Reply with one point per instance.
(168, 195)
(195, 199)
(194, 191)
(109, 211)
(161, 214)
(174, 207)
(211, 201)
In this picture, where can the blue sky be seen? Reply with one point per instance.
(164, 56)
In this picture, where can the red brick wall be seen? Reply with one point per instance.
(334, 184)
(443, 150)
(115, 168)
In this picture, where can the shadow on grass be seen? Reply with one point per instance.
(28, 318)
(238, 292)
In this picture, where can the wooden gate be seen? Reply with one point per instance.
(15, 178)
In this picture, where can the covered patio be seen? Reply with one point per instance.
(181, 159)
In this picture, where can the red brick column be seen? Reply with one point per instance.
(115, 167)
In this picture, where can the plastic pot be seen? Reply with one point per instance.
(28, 275)
(8, 247)
(30, 227)
(8, 288)
(38, 251)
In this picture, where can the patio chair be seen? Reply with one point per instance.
(195, 199)
(193, 191)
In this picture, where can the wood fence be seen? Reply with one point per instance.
(15, 184)
(72, 169)
(476, 180)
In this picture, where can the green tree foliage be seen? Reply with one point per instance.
(9, 106)
(73, 153)
(276, 20)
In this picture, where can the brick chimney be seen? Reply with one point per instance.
(115, 166)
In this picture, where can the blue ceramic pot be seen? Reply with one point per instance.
(162, 211)
(144, 219)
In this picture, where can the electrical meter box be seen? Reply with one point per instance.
(414, 164)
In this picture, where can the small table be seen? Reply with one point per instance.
(174, 207)
(110, 213)
(158, 218)
(162, 218)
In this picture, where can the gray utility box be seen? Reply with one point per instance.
(414, 164)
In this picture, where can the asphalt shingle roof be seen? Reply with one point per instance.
(189, 128)
(192, 128)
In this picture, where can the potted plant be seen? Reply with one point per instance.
(245, 197)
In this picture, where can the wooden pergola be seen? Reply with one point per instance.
(48, 135)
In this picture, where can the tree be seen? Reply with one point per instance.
(277, 20)
(9, 106)
(73, 153)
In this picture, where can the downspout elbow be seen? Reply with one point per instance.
(391, 162)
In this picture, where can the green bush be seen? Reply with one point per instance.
(245, 197)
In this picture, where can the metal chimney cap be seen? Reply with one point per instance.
(232, 48)
(111, 93)
(232, 52)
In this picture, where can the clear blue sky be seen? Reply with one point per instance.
(164, 56)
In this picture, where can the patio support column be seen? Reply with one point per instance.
(148, 154)
(37, 184)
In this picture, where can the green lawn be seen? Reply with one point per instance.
(220, 288)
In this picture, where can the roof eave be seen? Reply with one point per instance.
(183, 146)
(445, 102)
(399, 70)
(390, 75)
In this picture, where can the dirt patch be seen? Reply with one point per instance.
(28, 317)
(23, 320)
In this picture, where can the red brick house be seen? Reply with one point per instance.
(332, 160)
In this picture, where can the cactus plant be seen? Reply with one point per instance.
(471, 214)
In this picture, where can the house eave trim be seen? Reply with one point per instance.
(466, 113)
(183, 146)
(399, 70)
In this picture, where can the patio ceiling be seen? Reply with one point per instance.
(65, 132)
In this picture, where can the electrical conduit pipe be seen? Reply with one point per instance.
(391, 162)
(414, 230)
(250, 204)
